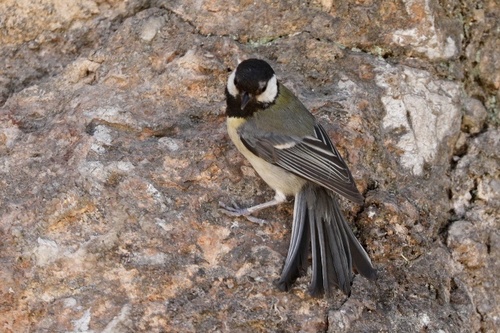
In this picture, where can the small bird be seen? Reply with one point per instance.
(293, 154)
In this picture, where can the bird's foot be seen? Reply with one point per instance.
(236, 211)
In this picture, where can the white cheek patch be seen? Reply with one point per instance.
(269, 95)
(230, 85)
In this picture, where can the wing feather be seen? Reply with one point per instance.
(314, 158)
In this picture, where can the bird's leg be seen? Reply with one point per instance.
(236, 211)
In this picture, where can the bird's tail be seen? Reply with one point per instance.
(319, 224)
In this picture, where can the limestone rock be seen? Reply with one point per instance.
(114, 156)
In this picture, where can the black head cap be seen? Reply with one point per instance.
(252, 75)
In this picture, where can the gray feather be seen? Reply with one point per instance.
(311, 157)
(318, 222)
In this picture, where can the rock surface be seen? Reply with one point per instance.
(114, 156)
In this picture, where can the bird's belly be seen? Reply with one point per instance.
(278, 178)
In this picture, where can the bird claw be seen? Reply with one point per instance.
(236, 211)
(233, 210)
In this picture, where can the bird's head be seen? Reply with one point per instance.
(253, 81)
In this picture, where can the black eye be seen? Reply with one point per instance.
(264, 88)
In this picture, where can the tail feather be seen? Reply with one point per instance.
(296, 261)
(318, 222)
(316, 285)
(339, 255)
(361, 262)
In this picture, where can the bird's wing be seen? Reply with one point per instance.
(312, 157)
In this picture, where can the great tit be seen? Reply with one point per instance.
(293, 154)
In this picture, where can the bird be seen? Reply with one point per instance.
(294, 155)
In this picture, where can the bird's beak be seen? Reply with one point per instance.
(245, 98)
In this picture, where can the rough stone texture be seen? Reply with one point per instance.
(39, 38)
(114, 156)
(480, 51)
